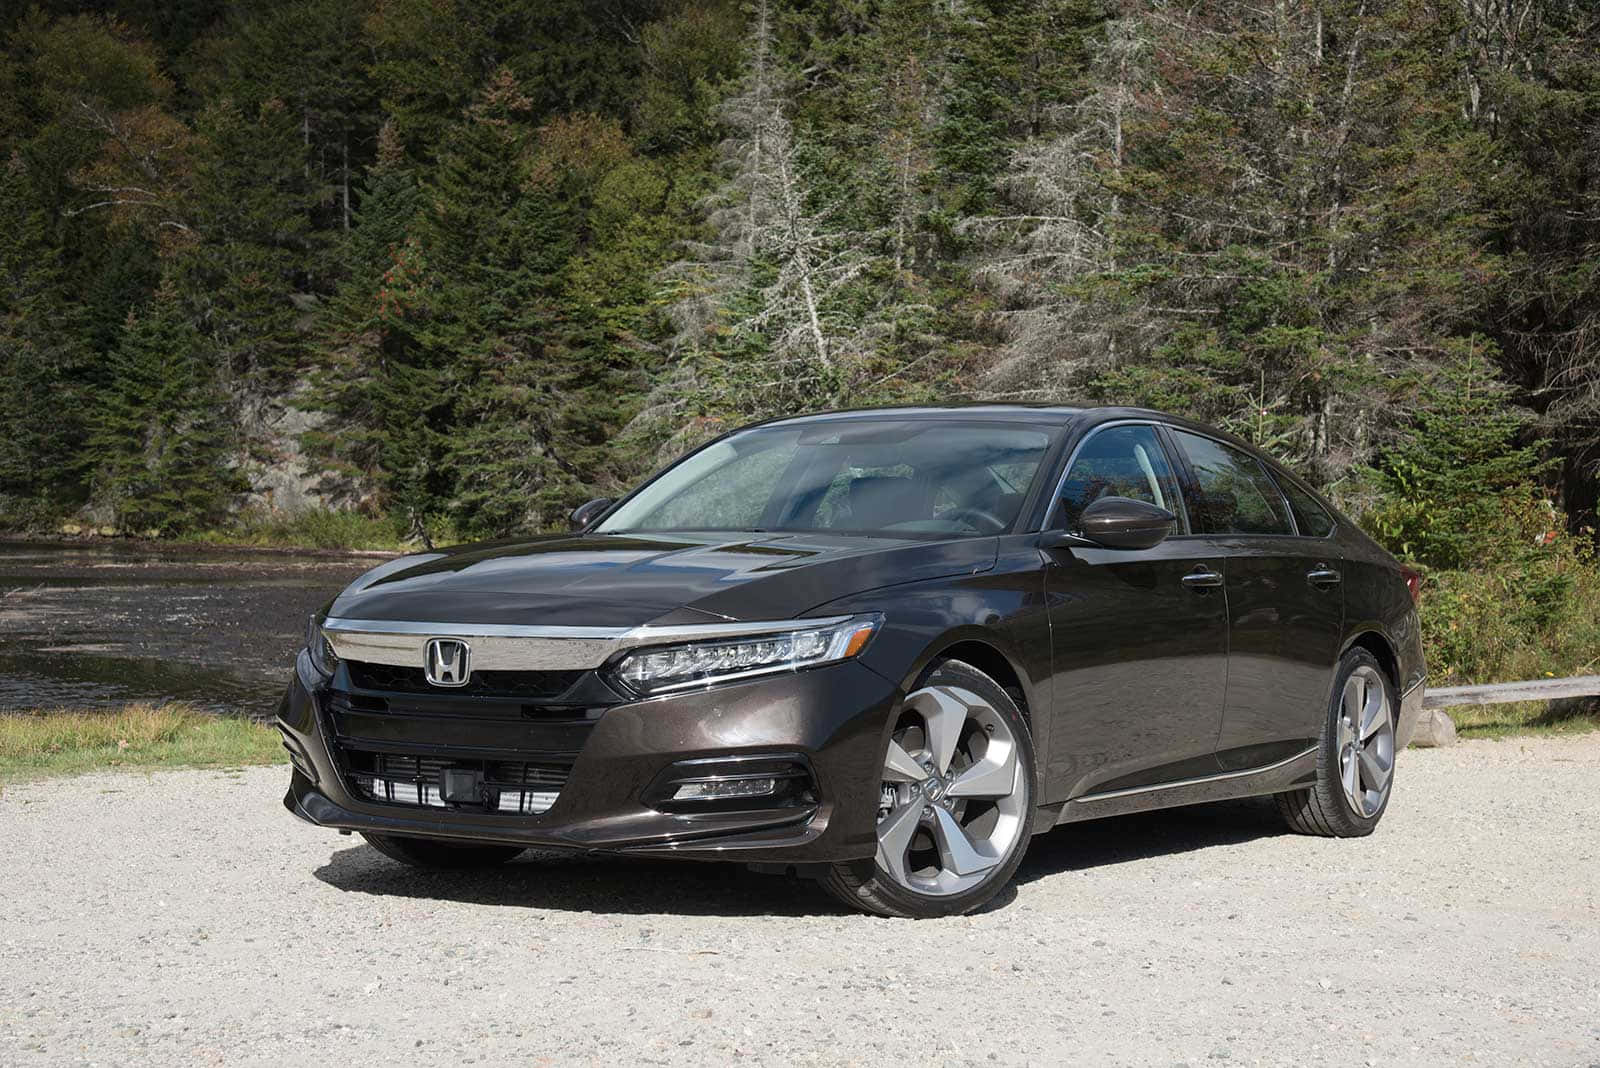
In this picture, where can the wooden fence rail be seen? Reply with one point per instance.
(1505, 692)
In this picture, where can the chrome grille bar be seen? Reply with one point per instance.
(502, 647)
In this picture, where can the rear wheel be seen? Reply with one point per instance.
(1355, 762)
(955, 804)
(437, 854)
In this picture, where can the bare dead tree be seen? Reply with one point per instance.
(1061, 235)
(778, 262)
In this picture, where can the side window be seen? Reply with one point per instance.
(1120, 461)
(1235, 495)
(1312, 519)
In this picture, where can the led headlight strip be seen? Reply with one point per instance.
(662, 669)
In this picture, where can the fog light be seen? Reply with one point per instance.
(721, 789)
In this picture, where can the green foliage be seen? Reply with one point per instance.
(1526, 611)
(512, 253)
(236, 266)
(160, 442)
(39, 447)
(1446, 481)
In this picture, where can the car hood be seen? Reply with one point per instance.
(621, 580)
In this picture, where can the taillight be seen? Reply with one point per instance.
(1413, 583)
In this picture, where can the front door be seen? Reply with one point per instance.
(1285, 605)
(1138, 637)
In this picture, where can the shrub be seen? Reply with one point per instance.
(1528, 610)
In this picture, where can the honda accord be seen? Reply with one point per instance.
(881, 649)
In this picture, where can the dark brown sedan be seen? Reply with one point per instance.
(881, 648)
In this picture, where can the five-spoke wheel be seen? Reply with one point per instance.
(1355, 758)
(955, 799)
(1366, 741)
(950, 806)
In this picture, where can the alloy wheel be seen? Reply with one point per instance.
(1366, 742)
(951, 807)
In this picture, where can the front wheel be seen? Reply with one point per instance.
(955, 804)
(436, 854)
(1355, 761)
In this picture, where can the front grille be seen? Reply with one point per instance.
(533, 685)
(504, 744)
(509, 786)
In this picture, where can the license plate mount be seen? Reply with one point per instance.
(461, 786)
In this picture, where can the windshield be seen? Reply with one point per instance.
(859, 475)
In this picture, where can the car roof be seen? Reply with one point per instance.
(1023, 413)
(1084, 416)
(1050, 414)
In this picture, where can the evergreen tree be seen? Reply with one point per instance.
(311, 56)
(236, 271)
(1446, 481)
(1056, 231)
(1276, 217)
(42, 360)
(384, 407)
(161, 442)
(492, 250)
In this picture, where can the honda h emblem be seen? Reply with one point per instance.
(447, 662)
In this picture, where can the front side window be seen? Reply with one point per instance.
(1119, 461)
(1235, 495)
(893, 476)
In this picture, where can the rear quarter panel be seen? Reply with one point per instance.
(1377, 601)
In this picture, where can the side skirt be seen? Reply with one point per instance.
(1290, 774)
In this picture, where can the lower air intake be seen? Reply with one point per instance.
(510, 787)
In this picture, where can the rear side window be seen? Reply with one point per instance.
(1312, 519)
(1235, 496)
(1120, 461)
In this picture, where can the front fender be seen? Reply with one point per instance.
(1001, 611)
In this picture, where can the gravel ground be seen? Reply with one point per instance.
(184, 917)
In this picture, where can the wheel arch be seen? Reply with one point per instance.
(1382, 649)
(989, 659)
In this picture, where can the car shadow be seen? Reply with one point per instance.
(576, 883)
(627, 886)
(1144, 835)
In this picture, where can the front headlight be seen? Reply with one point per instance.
(646, 672)
(319, 649)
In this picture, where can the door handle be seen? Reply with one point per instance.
(1323, 575)
(1202, 578)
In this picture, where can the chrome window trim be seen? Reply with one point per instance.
(533, 647)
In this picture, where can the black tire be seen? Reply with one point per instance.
(439, 855)
(866, 886)
(1323, 809)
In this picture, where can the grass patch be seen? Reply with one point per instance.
(316, 528)
(45, 743)
(1526, 717)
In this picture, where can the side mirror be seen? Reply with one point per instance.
(587, 513)
(1124, 523)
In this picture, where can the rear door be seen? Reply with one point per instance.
(1138, 637)
(1285, 603)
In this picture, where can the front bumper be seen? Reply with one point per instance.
(830, 719)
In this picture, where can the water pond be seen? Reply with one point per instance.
(90, 625)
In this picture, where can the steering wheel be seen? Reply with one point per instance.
(986, 522)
